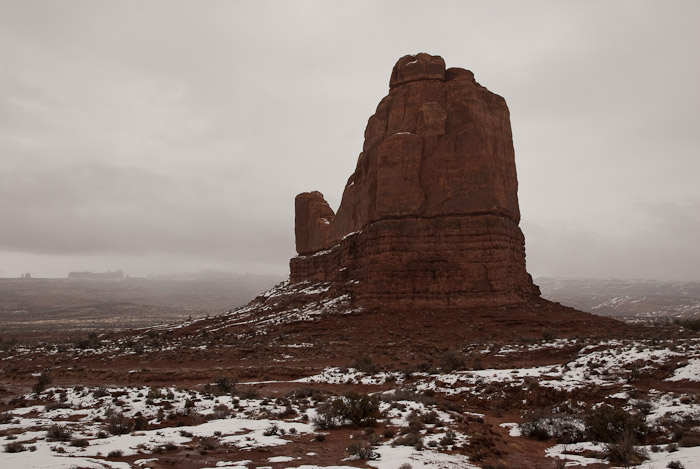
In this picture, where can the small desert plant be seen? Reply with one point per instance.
(415, 422)
(117, 453)
(287, 412)
(608, 424)
(326, 416)
(643, 406)
(409, 439)
(300, 393)
(117, 424)
(320, 437)
(79, 442)
(272, 430)
(100, 392)
(221, 411)
(225, 384)
(449, 439)
(208, 444)
(169, 446)
(140, 423)
(364, 364)
(623, 451)
(432, 418)
(675, 465)
(58, 433)
(89, 342)
(452, 360)
(43, 381)
(155, 393)
(6, 417)
(360, 409)
(543, 426)
(15, 447)
(361, 450)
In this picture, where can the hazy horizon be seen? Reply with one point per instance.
(166, 137)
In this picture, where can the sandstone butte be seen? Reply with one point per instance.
(429, 218)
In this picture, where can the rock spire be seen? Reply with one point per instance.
(429, 218)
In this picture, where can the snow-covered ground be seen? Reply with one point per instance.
(79, 426)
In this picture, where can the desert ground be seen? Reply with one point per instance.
(321, 386)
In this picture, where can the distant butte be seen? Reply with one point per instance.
(425, 245)
(429, 218)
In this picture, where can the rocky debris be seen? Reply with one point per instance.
(429, 218)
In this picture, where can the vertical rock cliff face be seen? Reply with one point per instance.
(429, 218)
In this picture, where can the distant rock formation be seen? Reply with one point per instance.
(109, 275)
(429, 218)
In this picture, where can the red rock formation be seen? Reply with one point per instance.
(429, 218)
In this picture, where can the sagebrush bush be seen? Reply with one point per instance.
(360, 409)
(140, 423)
(89, 342)
(15, 447)
(365, 364)
(225, 384)
(221, 411)
(325, 417)
(409, 439)
(564, 429)
(100, 392)
(272, 430)
(79, 442)
(208, 443)
(361, 450)
(608, 424)
(452, 360)
(58, 433)
(624, 451)
(117, 423)
(449, 439)
(43, 381)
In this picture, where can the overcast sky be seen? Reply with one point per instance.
(167, 136)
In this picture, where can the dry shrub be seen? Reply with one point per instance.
(624, 451)
(608, 424)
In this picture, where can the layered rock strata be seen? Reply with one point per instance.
(429, 218)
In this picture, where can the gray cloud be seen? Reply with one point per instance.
(155, 136)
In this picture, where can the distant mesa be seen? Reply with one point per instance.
(109, 275)
(429, 218)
